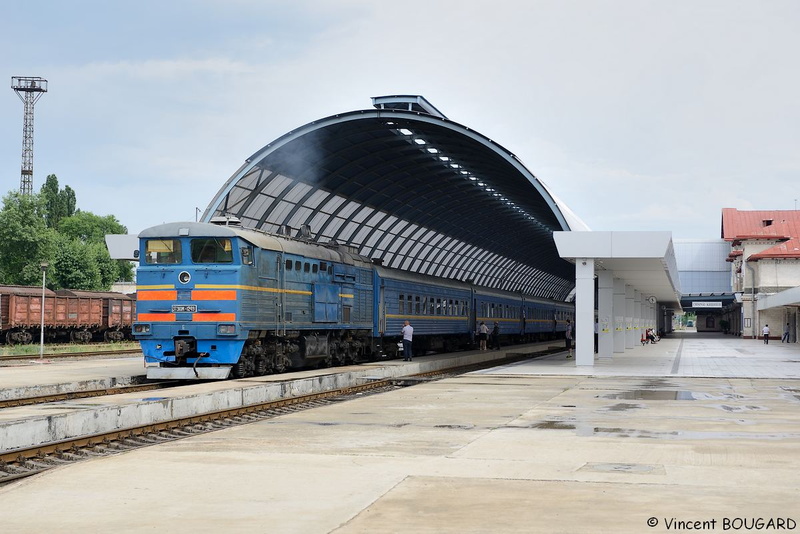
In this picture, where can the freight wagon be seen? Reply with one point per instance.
(69, 315)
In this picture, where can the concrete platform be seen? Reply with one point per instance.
(28, 426)
(675, 440)
(34, 377)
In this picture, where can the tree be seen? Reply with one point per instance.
(75, 267)
(90, 228)
(59, 203)
(75, 250)
(25, 240)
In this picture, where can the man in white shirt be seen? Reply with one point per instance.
(408, 334)
(765, 333)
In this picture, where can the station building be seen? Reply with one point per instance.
(764, 256)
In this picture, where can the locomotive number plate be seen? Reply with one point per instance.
(184, 308)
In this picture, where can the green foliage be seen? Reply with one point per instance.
(25, 240)
(73, 266)
(90, 228)
(59, 203)
(48, 228)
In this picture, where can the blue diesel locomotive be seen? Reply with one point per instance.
(215, 301)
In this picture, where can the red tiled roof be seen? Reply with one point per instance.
(752, 224)
(769, 224)
(787, 249)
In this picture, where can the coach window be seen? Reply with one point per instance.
(451, 310)
(323, 266)
(212, 250)
(306, 267)
(438, 306)
(160, 251)
(401, 304)
(288, 265)
(298, 265)
(314, 269)
(417, 308)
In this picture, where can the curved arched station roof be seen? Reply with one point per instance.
(410, 189)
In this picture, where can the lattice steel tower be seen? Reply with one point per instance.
(29, 90)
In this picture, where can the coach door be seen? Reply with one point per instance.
(381, 310)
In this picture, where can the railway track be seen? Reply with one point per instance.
(71, 395)
(66, 355)
(21, 463)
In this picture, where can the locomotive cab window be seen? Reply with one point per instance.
(162, 251)
(212, 250)
(247, 255)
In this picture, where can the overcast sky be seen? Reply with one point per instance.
(639, 115)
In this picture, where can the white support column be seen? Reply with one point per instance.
(637, 316)
(584, 311)
(605, 314)
(629, 333)
(619, 315)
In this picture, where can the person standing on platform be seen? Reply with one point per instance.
(765, 333)
(496, 336)
(785, 337)
(568, 338)
(408, 335)
(483, 333)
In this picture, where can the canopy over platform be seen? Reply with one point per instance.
(410, 189)
(643, 260)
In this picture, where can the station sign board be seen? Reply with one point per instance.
(706, 304)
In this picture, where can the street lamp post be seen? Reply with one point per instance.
(41, 331)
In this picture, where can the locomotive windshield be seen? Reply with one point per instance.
(161, 251)
(212, 250)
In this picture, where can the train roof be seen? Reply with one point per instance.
(28, 291)
(528, 298)
(397, 274)
(92, 294)
(264, 240)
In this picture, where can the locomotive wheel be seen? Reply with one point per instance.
(347, 357)
(279, 363)
(262, 366)
(239, 369)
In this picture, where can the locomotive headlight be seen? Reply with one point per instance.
(140, 328)
(226, 329)
(184, 277)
